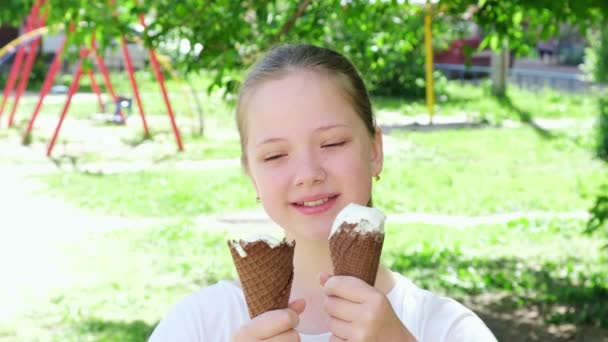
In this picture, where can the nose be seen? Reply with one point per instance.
(309, 170)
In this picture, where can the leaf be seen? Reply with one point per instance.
(517, 18)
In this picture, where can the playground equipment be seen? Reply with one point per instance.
(28, 44)
(31, 49)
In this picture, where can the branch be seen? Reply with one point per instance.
(289, 24)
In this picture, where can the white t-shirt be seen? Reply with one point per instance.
(216, 312)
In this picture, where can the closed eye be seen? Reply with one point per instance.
(273, 157)
(334, 144)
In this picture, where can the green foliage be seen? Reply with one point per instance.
(502, 21)
(599, 212)
(596, 55)
(384, 39)
(602, 131)
(39, 71)
(13, 11)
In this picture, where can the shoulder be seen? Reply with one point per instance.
(211, 313)
(431, 317)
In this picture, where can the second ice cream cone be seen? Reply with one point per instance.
(356, 242)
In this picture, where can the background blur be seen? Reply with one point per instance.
(496, 194)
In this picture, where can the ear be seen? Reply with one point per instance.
(377, 155)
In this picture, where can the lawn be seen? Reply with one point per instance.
(474, 101)
(462, 172)
(132, 276)
(125, 280)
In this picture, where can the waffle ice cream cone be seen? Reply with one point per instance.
(356, 242)
(265, 269)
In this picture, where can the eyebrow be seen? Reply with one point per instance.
(319, 129)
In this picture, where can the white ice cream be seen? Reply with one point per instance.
(270, 241)
(367, 219)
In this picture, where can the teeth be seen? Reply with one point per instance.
(315, 203)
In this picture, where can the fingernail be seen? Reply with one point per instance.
(323, 277)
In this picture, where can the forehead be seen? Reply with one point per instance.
(300, 101)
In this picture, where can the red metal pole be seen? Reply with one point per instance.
(106, 77)
(72, 90)
(127, 56)
(161, 81)
(25, 75)
(97, 91)
(12, 77)
(46, 87)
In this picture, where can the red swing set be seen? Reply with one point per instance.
(29, 51)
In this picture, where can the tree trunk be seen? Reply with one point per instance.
(499, 73)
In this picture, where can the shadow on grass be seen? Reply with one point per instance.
(510, 327)
(524, 116)
(558, 293)
(137, 140)
(397, 103)
(387, 129)
(102, 330)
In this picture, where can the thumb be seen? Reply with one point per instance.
(298, 305)
(324, 277)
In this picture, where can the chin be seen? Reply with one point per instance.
(313, 235)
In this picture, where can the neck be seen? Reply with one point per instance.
(311, 258)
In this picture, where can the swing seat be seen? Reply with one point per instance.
(123, 104)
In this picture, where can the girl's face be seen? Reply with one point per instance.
(309, 154)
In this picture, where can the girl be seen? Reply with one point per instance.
(310, 146)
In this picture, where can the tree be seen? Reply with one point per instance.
(384, 38)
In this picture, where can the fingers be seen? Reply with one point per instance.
(349, 288)
(323, 277)
(275, 322)
(339, 328)
(338, 307)
(290, 335)
(298, 305)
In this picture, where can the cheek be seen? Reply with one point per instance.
(269, 181)
(354, 163)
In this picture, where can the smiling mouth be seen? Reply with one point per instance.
(315, 203)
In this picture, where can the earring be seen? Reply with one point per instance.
(257, 199)
(377, 177)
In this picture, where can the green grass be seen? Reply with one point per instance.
(544, 263)
(125, 281)
(463, 172)
(180, 95)
(459, 99)
(157, 193)
(131, 277)
(487, 171)
(475, 101)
